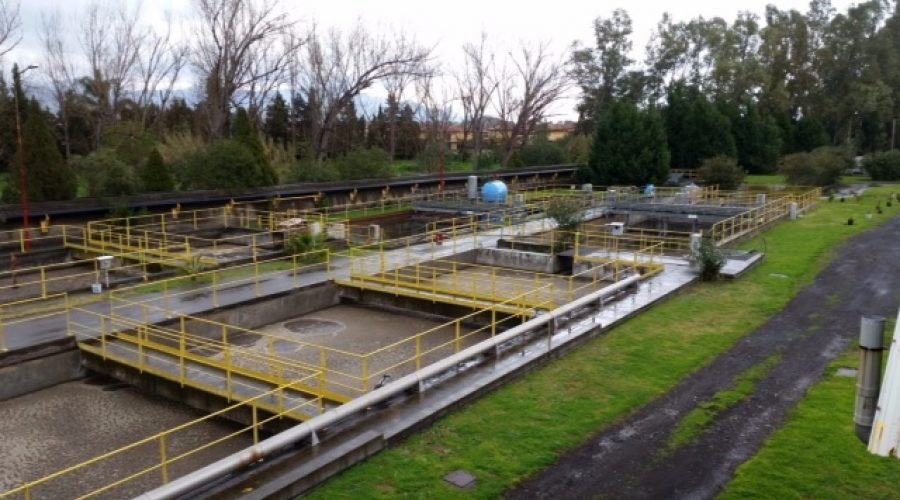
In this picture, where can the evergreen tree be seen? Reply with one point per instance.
(808, 134)
(155, 174)
(278, 121)
(244, 134)
(695, 128)
(7, 129)
(376, 136)
(629, 147)
(757, 139)
(409, 141)
(179, 117)
(47, 176)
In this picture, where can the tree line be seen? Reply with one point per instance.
(763, 92)
(275, 101)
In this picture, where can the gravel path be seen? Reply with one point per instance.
(630, 460)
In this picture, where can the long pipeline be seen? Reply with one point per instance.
(252, 454)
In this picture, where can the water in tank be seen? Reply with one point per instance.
(494, 192)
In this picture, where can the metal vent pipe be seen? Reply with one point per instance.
(868, 378)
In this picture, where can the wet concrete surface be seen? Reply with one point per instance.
(632, 459)
(359, 341)
(49, 430)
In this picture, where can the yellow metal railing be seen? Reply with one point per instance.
(214, 281)
(470, 284)
(755, 219)
(173, 353)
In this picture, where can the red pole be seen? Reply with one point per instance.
(23, 192)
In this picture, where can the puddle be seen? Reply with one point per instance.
(313, 327)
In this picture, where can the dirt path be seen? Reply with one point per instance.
(633, 460)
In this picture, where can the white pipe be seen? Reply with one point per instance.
(252, 454)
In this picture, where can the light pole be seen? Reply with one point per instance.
(23, 191)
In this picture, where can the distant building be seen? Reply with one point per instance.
(555, 132)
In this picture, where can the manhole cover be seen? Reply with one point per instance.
(846, 372)
(461, 479)
(313, 326)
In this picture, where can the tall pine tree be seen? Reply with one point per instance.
(244, 134)
(629, 147)
(47, 176)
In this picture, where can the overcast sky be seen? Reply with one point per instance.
(446, 25)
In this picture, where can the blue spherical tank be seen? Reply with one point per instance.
(493, 192)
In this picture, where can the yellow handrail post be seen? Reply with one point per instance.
(166, 295)
(458, 342)
(227, 358)
(103, 337)
(255, 424)
(365, 374)
(164, 465)
(43, 283)
(182, 348)
(418, 352)
(2, 336)
(323, 367)
(493, 321)
(256, 278)
(215, 296)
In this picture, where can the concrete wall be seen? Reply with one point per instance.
(264, 311)
(40, 370)
(437, 311)
(517, 259)
(190, 396)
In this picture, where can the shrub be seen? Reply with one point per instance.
(225, 164)
(821, 167)
(722, 171)
(578, 149)
(542, 152)
(711, 260)
(305, 243)
(105, 174)
(566, 212)
(155, 174)
(883, 166)
(363, 163)
(429, 158)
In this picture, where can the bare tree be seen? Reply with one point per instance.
(233, 37)
(60, 70)
(270, 67)
(529, 85)
(339, 67)
(395, 85)
(159, 64)
(10, 26)
(437, 112)
(477, 84)
(111, 39)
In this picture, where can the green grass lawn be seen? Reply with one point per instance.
(524, 426)
(778, 180)
(816, 454)
(764, 180)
